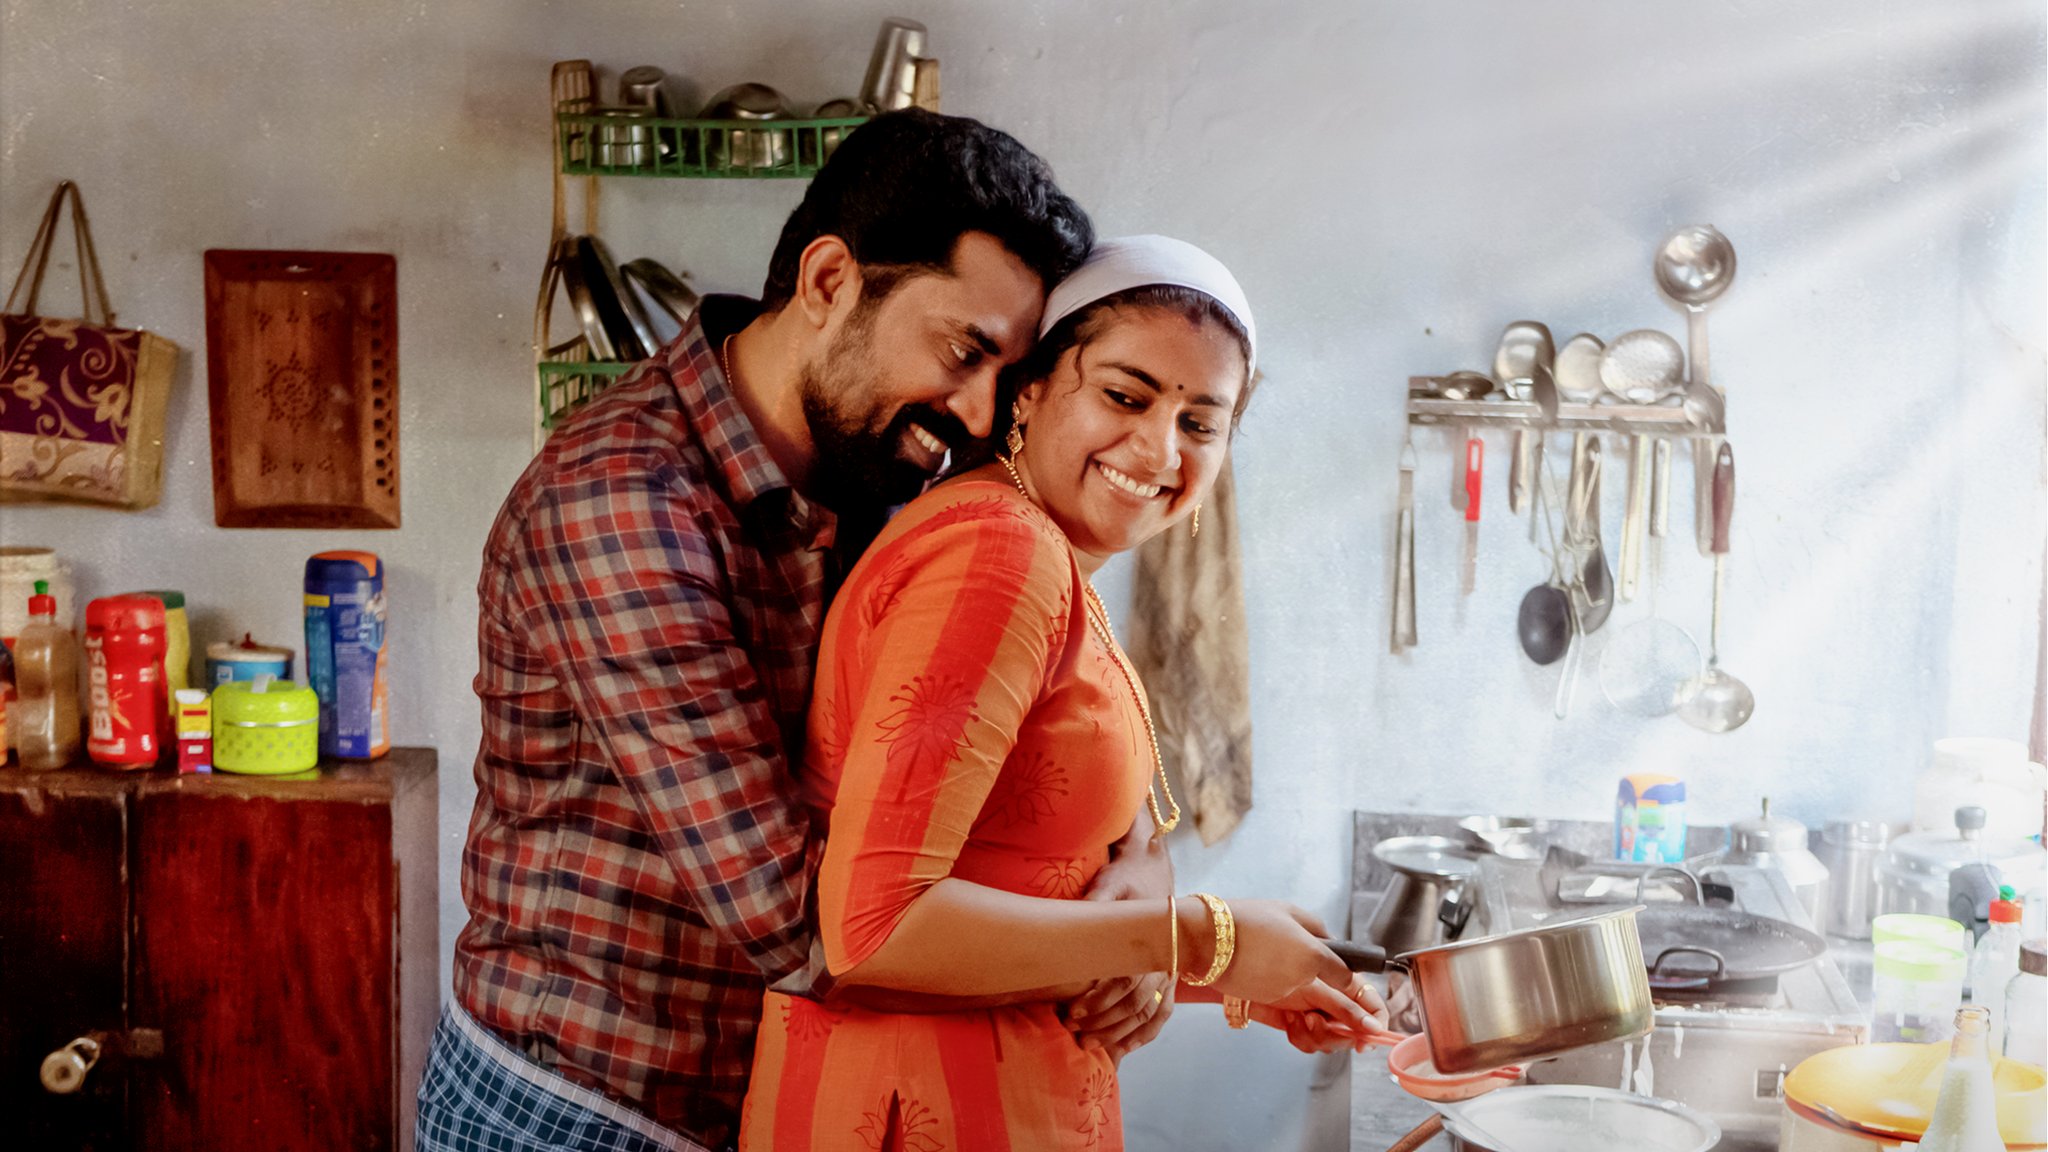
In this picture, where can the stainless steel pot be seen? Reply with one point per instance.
(1527, 994)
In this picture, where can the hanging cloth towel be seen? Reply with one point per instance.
(1190, 646)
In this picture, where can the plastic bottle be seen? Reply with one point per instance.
(124, 654)
(345, 653)
(1995, 961)
(1966, 1113)
(45, 713)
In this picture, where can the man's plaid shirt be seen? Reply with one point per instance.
(639, 856)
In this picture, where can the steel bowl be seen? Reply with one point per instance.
(1571, 1117)
(748, 147)
(816, 145)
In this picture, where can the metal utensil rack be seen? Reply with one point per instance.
(1427, 409)
(566, 376)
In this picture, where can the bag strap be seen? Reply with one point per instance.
(92, 285)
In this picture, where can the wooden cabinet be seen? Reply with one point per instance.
(257, 958)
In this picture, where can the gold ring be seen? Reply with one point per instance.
(1158, 996)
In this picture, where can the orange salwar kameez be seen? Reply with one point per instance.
(966, 723)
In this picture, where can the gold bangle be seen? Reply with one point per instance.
(1226, 939)
(1237, 1012)
(1173, 929)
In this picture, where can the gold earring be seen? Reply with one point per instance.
(1015, 440)
(1198, 521)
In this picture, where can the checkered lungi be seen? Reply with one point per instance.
(481, 1095)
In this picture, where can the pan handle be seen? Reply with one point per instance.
(1659, 980)
(1359, 957)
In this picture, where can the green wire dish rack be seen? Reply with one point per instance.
(566, 385)
(623, 142)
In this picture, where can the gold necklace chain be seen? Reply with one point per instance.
(1098, 622)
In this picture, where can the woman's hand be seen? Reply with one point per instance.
(1121, 1015)
(1278, 953)
(1320, 1018)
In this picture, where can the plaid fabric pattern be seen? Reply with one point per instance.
(479, 1096)
(639, 858)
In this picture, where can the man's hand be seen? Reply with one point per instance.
(1121, 1015)
(1139, 868)
(1404, 1008)
(1126, 1013)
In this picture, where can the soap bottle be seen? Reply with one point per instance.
(1995, 961)
(1966, 1113)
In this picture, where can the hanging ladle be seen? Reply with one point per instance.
(1693, 268)
(1544, 622)
(1719, 702)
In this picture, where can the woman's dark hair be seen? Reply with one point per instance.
(904, 187)
(1083, 325)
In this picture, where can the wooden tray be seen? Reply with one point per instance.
(302, 380)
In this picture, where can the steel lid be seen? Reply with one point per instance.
(1433, 856)
(1936, 854)
(1766, 833)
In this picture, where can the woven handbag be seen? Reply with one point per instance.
(81, 401)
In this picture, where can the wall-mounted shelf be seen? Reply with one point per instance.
(566, 385)
(618, 142)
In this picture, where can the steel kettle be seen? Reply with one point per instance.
(1767, 841)
(1425, 902)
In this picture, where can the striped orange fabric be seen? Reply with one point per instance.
(966, 724)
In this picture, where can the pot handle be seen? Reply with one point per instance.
(1453, 911)
(1359, 957)
(1659, 980)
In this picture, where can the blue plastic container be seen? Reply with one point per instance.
(345, 653)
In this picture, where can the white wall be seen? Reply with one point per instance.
(1392, 182)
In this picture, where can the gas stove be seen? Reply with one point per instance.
(1723, 1052)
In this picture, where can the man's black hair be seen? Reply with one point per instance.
(904, 187)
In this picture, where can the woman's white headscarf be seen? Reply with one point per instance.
(1136, 261)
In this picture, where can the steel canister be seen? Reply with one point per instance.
(345, 652)
(125, 686)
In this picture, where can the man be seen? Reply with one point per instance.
(638, 860)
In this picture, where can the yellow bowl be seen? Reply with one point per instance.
(1888, 1090)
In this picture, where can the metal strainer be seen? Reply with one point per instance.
(1649, 668)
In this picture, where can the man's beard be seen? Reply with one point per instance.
(858, 467)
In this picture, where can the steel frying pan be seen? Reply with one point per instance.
(1687, 947)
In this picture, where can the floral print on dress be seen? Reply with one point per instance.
(929, 729)
(1059, 879)
(1098, 1100)
(808, 1020)
(917, 1127)
(1029, 790)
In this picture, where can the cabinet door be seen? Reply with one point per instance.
(63, 958)
(263, 950)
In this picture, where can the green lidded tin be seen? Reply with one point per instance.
(265, 727)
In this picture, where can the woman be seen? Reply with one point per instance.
(979, 741)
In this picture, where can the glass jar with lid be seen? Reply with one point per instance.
(2026, 1006)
